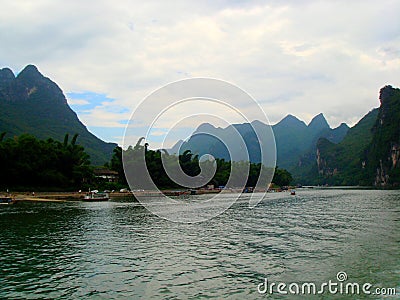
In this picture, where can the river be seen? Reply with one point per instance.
(117, 249)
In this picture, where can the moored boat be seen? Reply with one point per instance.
(7, 200)
(175, 193)
(96, 197)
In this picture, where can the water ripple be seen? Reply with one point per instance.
(120, 250)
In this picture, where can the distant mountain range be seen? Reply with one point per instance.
(293, 139)
(31, 103)
(366, 154)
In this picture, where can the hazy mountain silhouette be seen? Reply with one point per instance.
(293, 139)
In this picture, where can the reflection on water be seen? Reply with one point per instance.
(118, 249)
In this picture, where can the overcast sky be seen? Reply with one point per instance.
(294, 57)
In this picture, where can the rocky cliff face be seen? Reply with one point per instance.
(370, 152)
(384, 151)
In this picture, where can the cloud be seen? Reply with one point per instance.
(73, 102)
(298, 57)
(101, 117)
(158, 133)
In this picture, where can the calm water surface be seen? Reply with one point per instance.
(118, 249)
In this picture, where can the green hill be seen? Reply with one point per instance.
(341, 164)
(31, 103)
(369, 153)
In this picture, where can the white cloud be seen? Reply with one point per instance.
(77, 101)
(158, 133)
(101, 117)
(299, 57)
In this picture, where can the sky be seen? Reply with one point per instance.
(293, 57)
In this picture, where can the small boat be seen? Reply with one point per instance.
(293, 192)
(248, 190)
(5, 200)
(96, 197)
(175, 193)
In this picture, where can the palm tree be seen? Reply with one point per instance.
(66, 137)
(186, 156)
(139, 142)
(74, 138)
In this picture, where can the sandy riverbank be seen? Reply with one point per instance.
(58, 197)
(76, 196)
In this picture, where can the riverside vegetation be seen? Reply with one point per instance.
(29, 163)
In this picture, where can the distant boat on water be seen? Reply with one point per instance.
(176, 193)
(292, 192)
(92, 196)
(7, 200)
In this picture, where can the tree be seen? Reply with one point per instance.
(116, 165)
(190, 165)
(282, 177)
(2, 135)
(30, 163)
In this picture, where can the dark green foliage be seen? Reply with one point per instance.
(339, 164)
(342, 164)
(31, 103)
(116, 165)
(383, 153)
(369, 153)
(27, 162)
(282, 177)
(190, 165)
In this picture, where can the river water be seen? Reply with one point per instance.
(118, 249)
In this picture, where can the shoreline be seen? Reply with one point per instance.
(57, 196)
(76, 196)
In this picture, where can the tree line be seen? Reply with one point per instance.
(27, 162)
(190, 164)
(30, 163)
